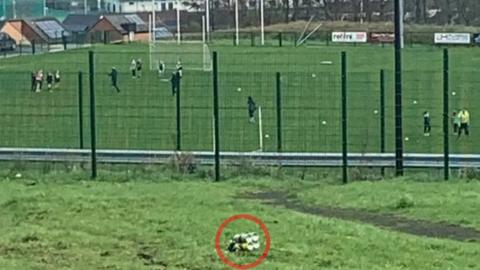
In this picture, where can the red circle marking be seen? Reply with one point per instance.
(219, 234)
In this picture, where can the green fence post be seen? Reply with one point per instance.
(398, 93)
(92, 114)
(80, 108)
(179, 115)
(33, 47)
(216, 117)
(279, 113)
(344, 119)
(280, 39)
(446, 150)
(382, 115)
(252, 39)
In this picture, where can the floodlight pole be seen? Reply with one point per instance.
(262, 23)
(237, 38)
(99, 5)
(398, 90)
(5, 9)
(401, 23)
(154, 17)
(178, 22)
(361, 11)
(151, 40)
(44, 8)
(14, 6)
(204, 40)
(207, 14)
(85, 6)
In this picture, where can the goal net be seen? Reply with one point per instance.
(164, 48)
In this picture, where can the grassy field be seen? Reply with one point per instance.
(142, 116)
(59, 221)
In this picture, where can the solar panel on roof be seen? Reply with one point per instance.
(134, 19)
(51, 28)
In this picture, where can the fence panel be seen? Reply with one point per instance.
(38, 114)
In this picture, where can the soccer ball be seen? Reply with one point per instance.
(239, 89)
(267, 136)
(375, 112)
(415, 102)
(18, 175)
(407, 139)
(314, 75)
(454, 93)
(324, 122)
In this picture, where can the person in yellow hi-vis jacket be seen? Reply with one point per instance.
(464, 116)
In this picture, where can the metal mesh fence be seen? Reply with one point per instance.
(141, 112)
(39, 115)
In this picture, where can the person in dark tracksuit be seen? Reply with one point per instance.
(49, 81)
(179, 68)
(133, 68)
(114, 78)
(139, 68)
(33, 81)
(427, 126)
(251, 109)
(161, 68)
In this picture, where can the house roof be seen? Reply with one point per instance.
(36, 32)
(46, 29)
(80, 22)
(121, 22)
(50, 27)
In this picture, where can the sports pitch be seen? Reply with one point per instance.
(139, 217)
(143, 115)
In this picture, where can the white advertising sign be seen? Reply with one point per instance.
(452, 38)
(349, 37)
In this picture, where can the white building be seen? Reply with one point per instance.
(133, 6)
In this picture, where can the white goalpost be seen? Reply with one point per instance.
(260, 129)
(169, 49)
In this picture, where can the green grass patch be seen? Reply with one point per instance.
(62, 224)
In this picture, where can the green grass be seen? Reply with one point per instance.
(143, 115)
(63, 224)
(452, 202)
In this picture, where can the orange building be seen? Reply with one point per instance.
(44, 30)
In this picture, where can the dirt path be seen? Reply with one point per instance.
(387, 221)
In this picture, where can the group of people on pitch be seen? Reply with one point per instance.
(37, 80)
(460, 122)
(136, 68)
